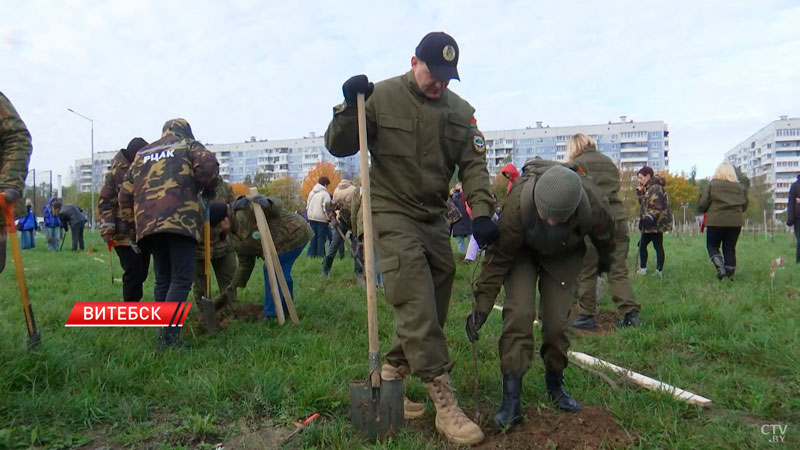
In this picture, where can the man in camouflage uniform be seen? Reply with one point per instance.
(223, 258)
(161, 212)
(15, 152)
(419, 131)
(582, 151)
(290, 233)
(135, 265)
(548, 212)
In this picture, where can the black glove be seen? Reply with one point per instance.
(355, 85)
(263, 201)
(11, 194)
(485, 231)
(789, 223)
(603, 263)
(240, 203)
(475, 321)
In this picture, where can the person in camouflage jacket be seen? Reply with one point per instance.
(160, 209)
(15, 152)
(289, 230)
(223, 258)
(135, 265)
(655, 216)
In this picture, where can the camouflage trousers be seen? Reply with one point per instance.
(618, 281)
(556, 296)
(418, 269)
(224, 270)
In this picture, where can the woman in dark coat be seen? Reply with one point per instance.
(723, 201)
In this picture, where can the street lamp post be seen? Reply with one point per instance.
(92, 170)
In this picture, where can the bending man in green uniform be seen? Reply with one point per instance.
(549, 211)
(419, 131)
(582, 151)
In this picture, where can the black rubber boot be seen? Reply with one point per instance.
(585, 322)
(555, 383)
(729, 271)
(720, 265)
(510, 411)
(631, 319)
(169, 337)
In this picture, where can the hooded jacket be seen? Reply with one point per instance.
(511, 172)
(289, 230)
(317, 204)
(724, 203)
(71, 215)
(51, 219)
(28, 221)
(605, 175)
(655, 215)
(160, 191)
(108, 203)
(343, 195)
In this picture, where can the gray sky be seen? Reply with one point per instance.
(715, 71)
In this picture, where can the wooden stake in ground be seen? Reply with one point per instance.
(274, 272)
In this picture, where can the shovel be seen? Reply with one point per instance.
(376, 405)
(8, 214)
(207, 306)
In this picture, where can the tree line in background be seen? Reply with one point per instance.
(683, 189)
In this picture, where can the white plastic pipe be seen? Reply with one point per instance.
(644, 381)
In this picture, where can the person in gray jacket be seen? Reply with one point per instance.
(73, 217)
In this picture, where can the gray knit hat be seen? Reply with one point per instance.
(557, 193)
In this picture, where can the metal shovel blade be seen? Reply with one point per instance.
(209, 318)
(377, 412)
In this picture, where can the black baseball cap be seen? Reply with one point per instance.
(440, 52)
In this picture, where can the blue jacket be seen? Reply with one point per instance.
(28, 221)
(50, 220)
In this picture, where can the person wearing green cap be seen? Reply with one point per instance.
(549, 211)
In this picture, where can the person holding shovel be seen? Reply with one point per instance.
(73, 220)
(15, 152)
(135, 264)
(289, 230)
(341, 216)
(418, 133)
(161, 212)
(548, 213)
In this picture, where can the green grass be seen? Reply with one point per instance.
(737, 343)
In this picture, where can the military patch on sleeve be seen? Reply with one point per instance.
(478, 143)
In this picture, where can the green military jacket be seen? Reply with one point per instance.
(605, 175)
(220, 246)
(160, 190)
(108, 205)
(724, 203)
(15, 151)
(416, 144)
(521, 230)
(289, 230)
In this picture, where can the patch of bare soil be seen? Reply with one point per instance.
(247, 312)
(606, 322)
(592, 427)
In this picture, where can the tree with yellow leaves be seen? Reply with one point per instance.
(239, 189)
(322, 169)
(287, 189)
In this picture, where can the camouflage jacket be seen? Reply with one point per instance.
(219, 247)
(108, 205)
(289, 230)
(159, 193)
(654, 213)
(15, 151)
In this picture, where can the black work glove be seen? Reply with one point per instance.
(485, 231)
(475, 321)
(262, 201)
(11, 194)
(240, 203)
(355, 85)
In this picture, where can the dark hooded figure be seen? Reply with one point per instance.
(161, 212)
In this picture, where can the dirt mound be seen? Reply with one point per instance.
(247, 312)
(591, 428)
(606, 322)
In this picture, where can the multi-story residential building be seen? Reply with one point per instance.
(82, 174)
(773, 155)
(629, 144)
(278, 158)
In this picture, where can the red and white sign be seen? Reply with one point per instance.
(124, 314)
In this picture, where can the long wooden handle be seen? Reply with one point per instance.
(369, 258)
(207, 255)
(8, 214)
(287, 296)
(263, 230)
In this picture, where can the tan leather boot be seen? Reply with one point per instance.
(411, 410)
(450, 419)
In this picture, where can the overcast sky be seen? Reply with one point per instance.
(715, 71)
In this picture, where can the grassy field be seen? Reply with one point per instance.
(737, 343)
